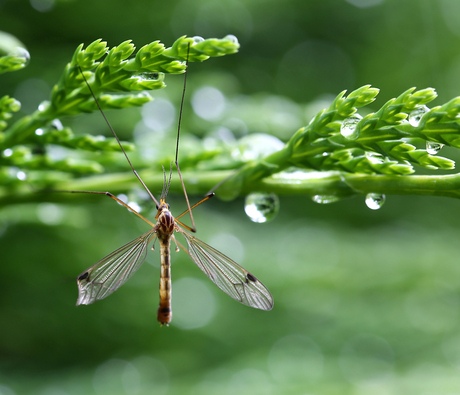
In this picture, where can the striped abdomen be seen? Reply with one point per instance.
(165, 230)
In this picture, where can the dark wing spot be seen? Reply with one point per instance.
(250, 277)
(83, 276)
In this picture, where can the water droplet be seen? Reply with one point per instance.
(43, 106)
(374, 157)
(15, 105)
(147, 76)
(261, 207)
(197, 39)
(22, 53)
(433, 148)
(348, 128)
(325, 199)
(416, 115)
(375, 200)
(57, 124)
(231, 38)
(39, 132)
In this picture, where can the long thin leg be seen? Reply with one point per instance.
(116, 199)
(118, 140)
(189, 209)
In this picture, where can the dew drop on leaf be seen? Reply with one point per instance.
(375, 200)
(374, 157)
(325, 199)
(57, 124)
(433, 148)
(348, 128)
(23, 54)
(416, 115)
(232, 38)
(147, 76)
(261, 207)
(197, 39)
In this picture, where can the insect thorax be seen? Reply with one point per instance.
(165, 224)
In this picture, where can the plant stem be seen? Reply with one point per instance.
(346, 185)
(310, 183)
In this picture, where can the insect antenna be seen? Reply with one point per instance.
(193, 228)
(167, 184)
(163, 195)
(118, 140)
(169, 181)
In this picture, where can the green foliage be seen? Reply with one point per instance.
(376, 144)
(8, 106)
(13, 62)
(13, 56)
(107, 71)
(329, 156)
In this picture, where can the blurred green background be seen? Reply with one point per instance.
(366, 302)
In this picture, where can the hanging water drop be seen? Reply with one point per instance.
(349, 129)
(231, 38)
(325, 199)
(44, 106)
(416, 115)
(57, 124)
(261, 207)
(433, 148)
(375, 200)
(22, 54)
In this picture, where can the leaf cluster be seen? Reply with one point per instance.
(119, 78)
(381, 142)
(342, 141)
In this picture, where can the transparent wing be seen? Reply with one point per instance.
(111, 272)
(227, 274)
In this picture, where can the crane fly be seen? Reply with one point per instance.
(111, 272)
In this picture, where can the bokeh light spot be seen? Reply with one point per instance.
(366, 359)
(208, 103)
(194, 303)
(49, 213)
(295, 358)
(228, 244)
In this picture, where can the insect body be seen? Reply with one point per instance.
(110, 273)
(107, 275)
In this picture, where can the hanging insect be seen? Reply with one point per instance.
(111, 272)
